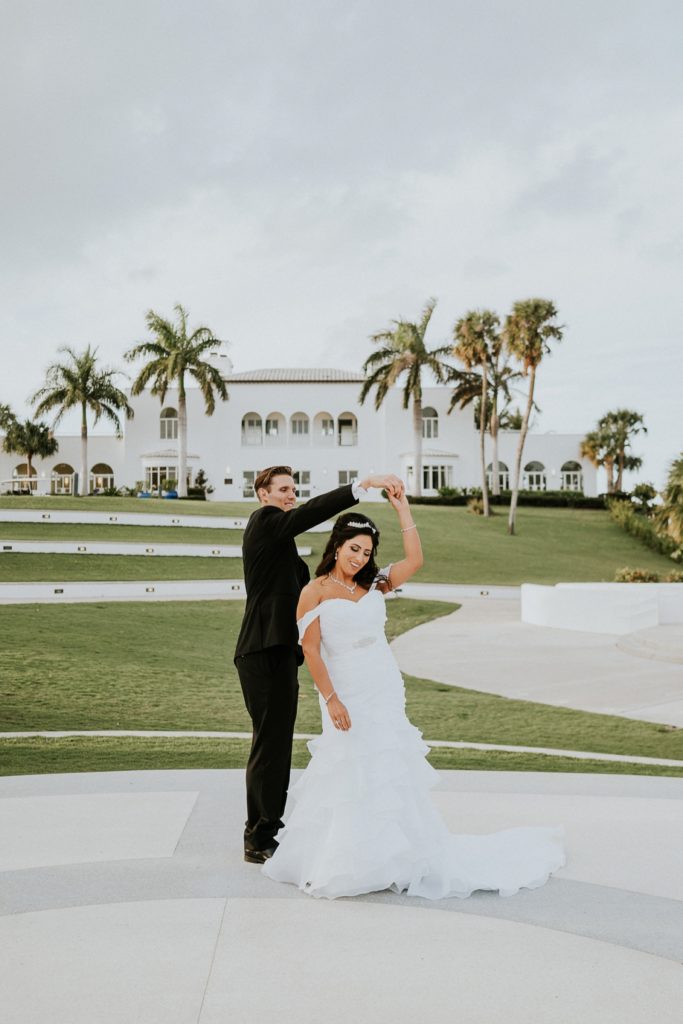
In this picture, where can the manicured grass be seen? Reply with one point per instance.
(119, 534)
(551, 545)
(169, 666)
(18, 568)
(100, 754)
(163, 665)
(161, 506)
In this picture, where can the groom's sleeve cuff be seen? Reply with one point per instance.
(358, 492)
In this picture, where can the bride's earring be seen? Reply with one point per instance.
(336, 555)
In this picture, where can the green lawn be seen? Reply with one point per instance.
(119, 534)
(175, 507)
(551, 545)
(17, 568)
(168, 666)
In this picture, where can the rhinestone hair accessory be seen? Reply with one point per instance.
(365, 526)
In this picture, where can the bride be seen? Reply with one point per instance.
(362, 818)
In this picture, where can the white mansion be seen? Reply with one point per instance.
(310, 419)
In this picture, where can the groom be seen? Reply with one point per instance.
(267, 653)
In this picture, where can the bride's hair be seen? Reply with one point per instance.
(347, 526)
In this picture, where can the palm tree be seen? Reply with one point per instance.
(78, 383)
(669, 516)
(528, 330)
(7, 417)
(403, 351)
(620, 427)
(598, 449)
(29, 439)
(475, 337)
(173, 354)
(470, 386)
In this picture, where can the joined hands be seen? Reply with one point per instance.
(393, 485)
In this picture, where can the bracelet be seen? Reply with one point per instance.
(328, 699)
(406, 528)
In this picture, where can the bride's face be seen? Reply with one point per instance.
(353, 554)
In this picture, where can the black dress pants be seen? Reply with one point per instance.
(271, 689)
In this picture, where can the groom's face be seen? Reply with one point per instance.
(282, 493)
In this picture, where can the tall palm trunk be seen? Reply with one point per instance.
(29, 470)
(520, 450)
(609, 466)
(494, 446)
(620, 462)
(83, 482)
(417, 430)
(182, 440)
(482, 439)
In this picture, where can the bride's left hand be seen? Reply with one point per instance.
(398, 503)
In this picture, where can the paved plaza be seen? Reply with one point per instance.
(124, 895)
(125, 898)
(485, 646)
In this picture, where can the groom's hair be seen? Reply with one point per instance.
(265, 477)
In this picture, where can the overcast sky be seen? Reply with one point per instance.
(298, 173)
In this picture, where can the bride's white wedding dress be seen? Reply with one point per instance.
(361, 818)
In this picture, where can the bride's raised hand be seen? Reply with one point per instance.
(340, 717)
(399, 503)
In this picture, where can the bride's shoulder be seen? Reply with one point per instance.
(310, 596)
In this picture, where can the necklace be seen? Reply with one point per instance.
(351, 590)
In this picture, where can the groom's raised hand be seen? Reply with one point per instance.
(391, 484)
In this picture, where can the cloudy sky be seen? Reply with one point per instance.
(298, 173)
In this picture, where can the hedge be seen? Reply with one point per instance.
(540, 499)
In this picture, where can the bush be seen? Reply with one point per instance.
(636, 576)
(676, 576)
(537, 499)
(643, 529)
(475, 506)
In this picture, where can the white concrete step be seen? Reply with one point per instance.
(663, 643)
(106, 547)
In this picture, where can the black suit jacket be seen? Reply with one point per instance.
(274, 575)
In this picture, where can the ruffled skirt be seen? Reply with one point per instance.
(361, 817)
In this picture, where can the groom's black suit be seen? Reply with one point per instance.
(267, 652)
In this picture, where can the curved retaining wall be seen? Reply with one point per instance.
(616, 608)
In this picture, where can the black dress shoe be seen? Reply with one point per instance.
(259, 856)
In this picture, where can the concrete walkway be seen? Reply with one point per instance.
(579, 755)
(484, 646)
(124, 897)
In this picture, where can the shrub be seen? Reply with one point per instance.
(642, 528)
(675, 576)
(475, 506)
(627, 575)
(201, 483)
(537, 499)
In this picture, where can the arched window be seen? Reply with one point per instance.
(22, 481)
(276, 430)
(299, 426)
(323, 429)
(430, 422)
(347, 429)
(168, 424)
(101, 477)
(62, 479)
(503, 475)
(252, 429)
(572, 477)
(534, 476)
